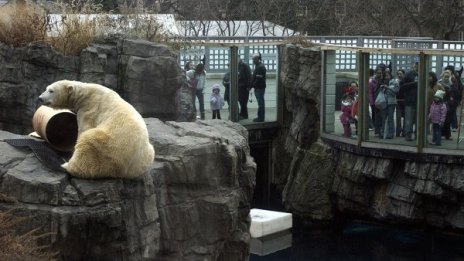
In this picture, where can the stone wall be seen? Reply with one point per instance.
(320, 179)
(145, 74)
(192, 204)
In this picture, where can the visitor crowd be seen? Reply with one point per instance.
(392, 97)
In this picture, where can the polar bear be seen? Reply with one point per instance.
(112, 136)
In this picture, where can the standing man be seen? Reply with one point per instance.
(409, 85)
(400, 105)
(244, 80)
(259, 84)
(226, 84)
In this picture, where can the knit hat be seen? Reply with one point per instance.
(216, 87)
(439, 94)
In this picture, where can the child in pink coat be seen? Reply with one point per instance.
(437, 116)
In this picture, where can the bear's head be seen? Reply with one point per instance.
(57, 95)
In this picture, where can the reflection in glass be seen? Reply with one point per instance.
(272, 243)
(248, 99)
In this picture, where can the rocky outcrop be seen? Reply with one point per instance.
(192, 204)
(300, 79)
(145, 74)
(311, 174)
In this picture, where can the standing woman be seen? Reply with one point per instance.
(455, 101)
(446, 82)
(199, 75)
(399, 104)
(188, 66)
(434, 86)
(391, 88)
(373, 91)
(456, 95)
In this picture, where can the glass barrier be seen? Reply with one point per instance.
(257, 92)
(257, 84)
(444, 103)
(392, 91)
(395, 101)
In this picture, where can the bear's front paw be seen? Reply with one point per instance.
(65, 166)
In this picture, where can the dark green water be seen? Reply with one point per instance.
(365, 241)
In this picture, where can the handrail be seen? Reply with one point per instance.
(326, 46)
(405, 51)
(346, 46)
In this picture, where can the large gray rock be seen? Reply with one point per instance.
(311, 177)
(145, 74)
(192, 204)
(300, 76)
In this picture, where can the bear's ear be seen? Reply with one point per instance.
(69, 88)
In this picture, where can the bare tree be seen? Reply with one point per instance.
(426, 18)
(440, 19)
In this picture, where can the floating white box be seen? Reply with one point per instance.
(266, 222)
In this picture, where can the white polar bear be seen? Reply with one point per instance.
(112, 137)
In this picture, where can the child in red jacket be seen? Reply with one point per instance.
(345, 116)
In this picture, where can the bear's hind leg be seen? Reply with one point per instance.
(87, 160)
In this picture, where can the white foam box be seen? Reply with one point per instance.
(266, 222)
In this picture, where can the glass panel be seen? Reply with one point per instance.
(449, 135)
(392, 96)
(339, 97)
(216, 68)
(331, 122)
(262, 102)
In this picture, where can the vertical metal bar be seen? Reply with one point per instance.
(233, 69)
(459, 139)
(360, 98)
(324, 86)
(394, 59)
(207, 55)
(421, 93)
(363, 75)
(246, 52)
(439, 58)
(280, 89)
